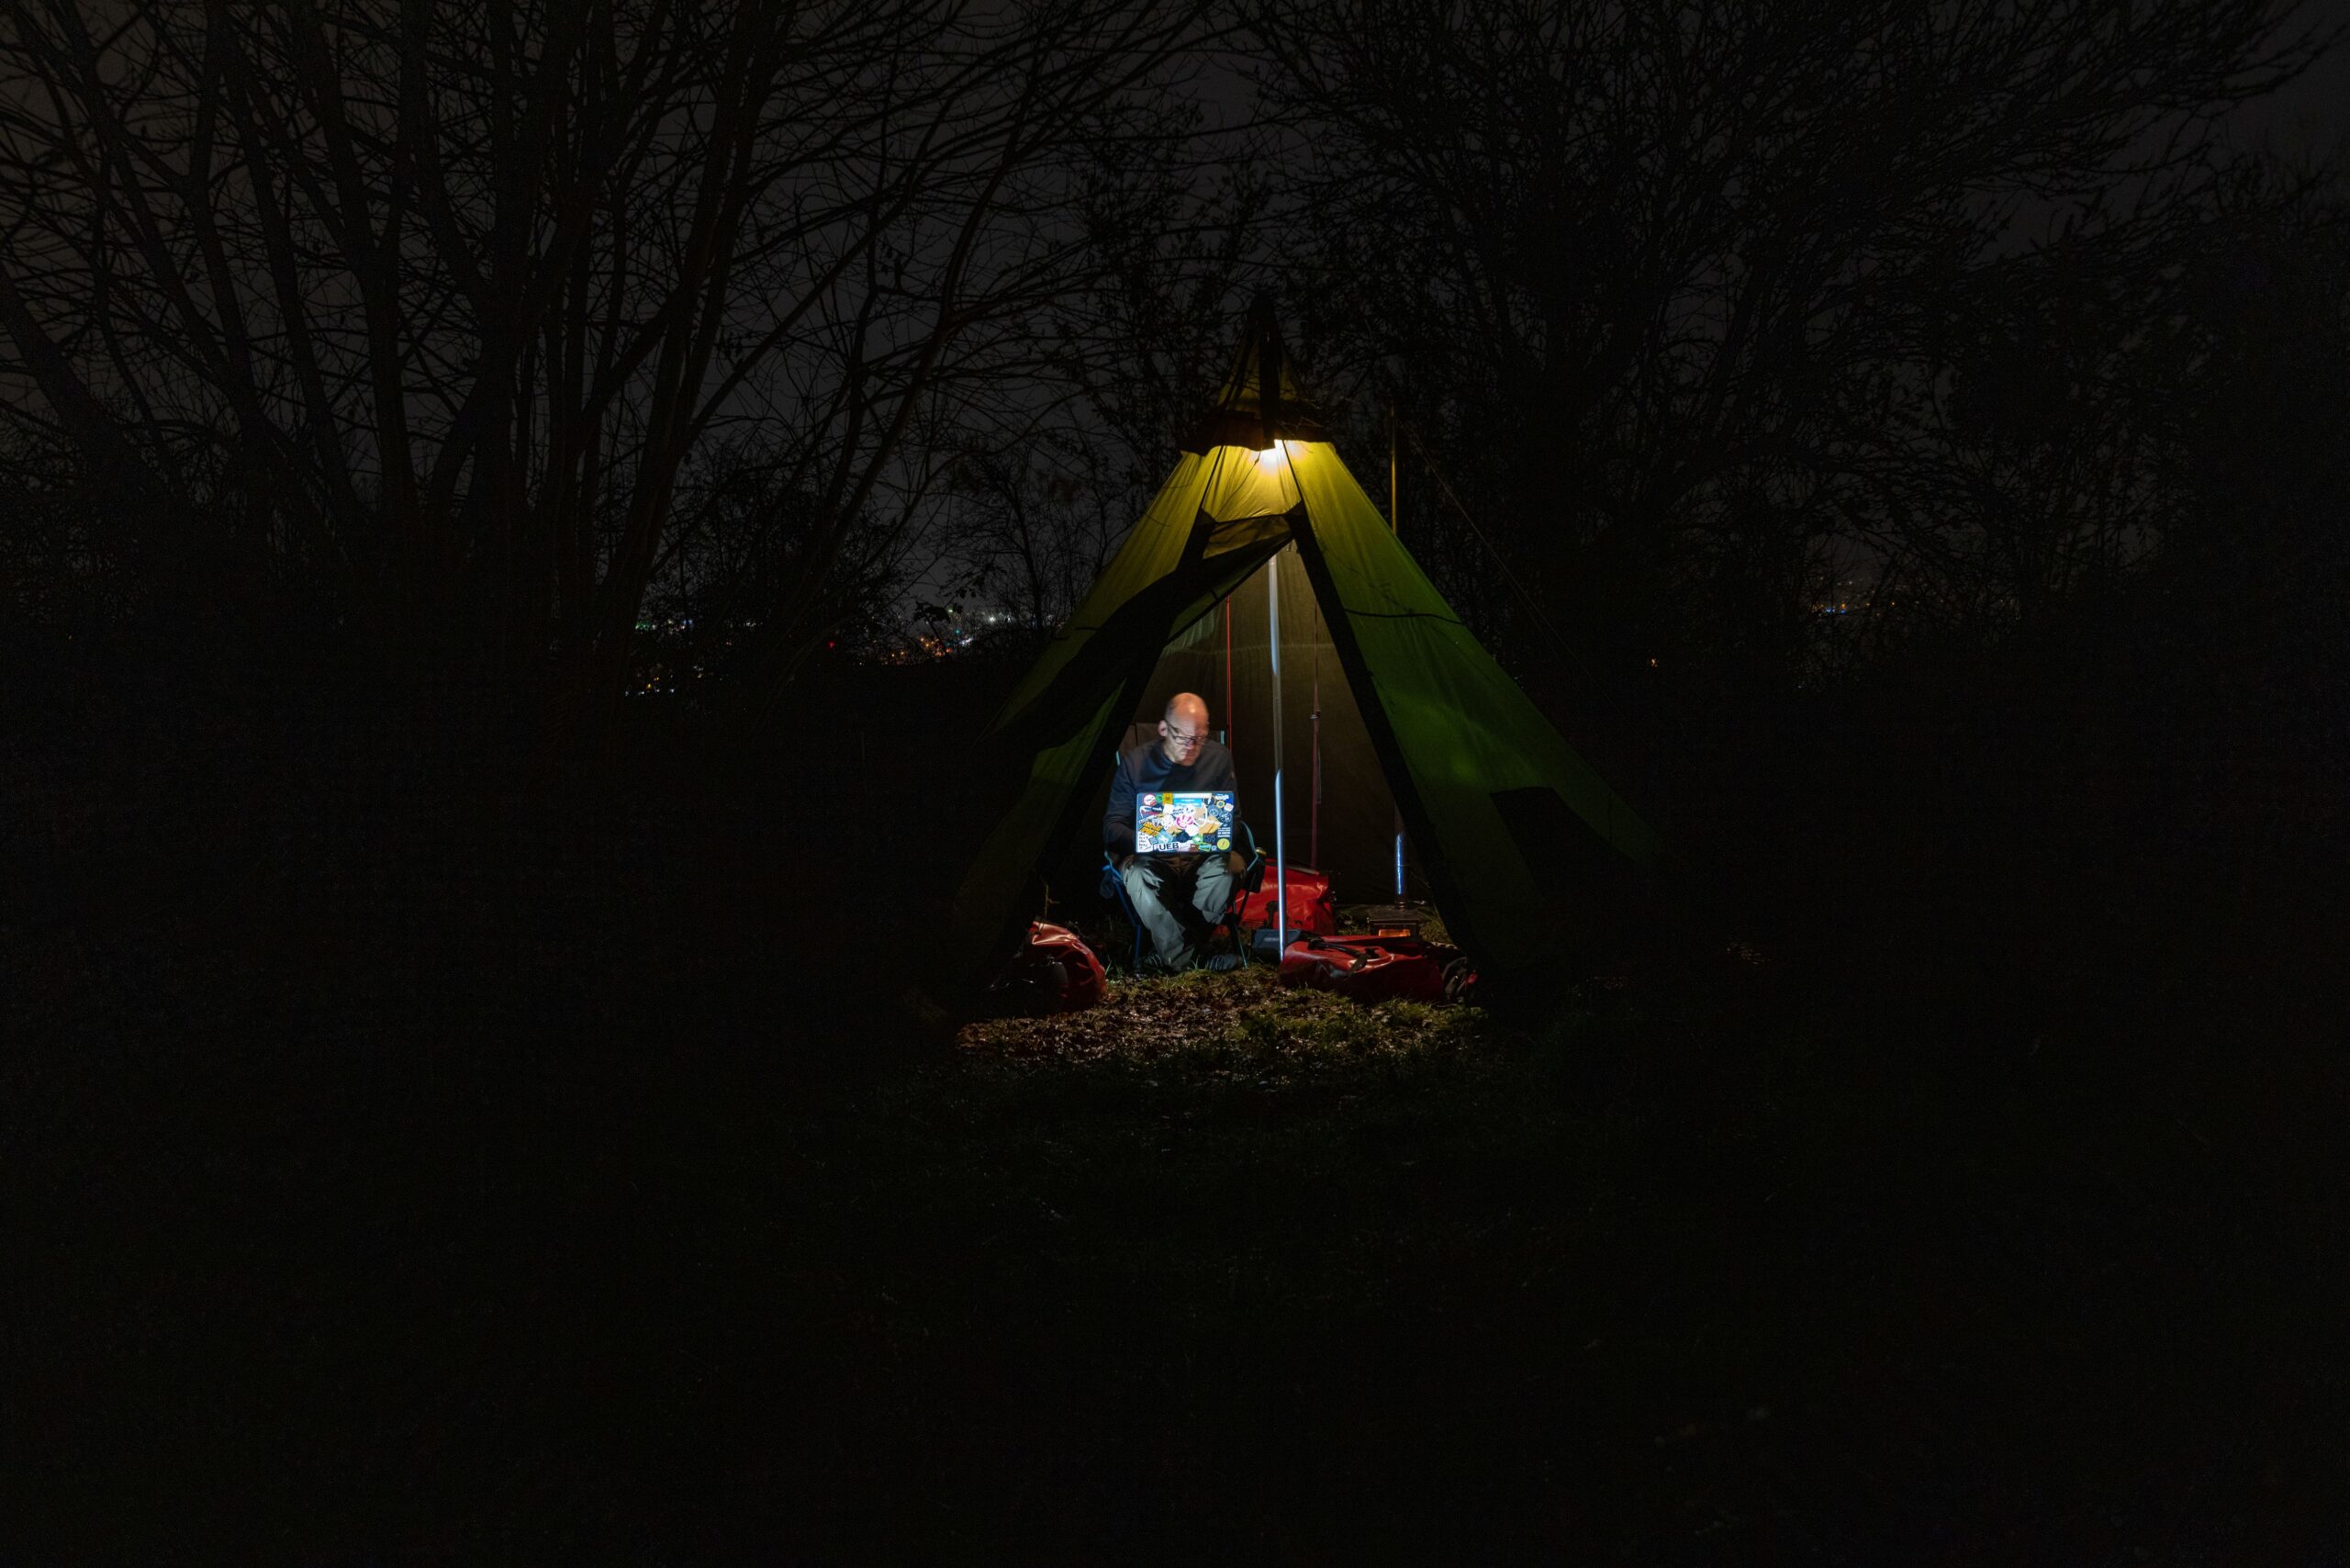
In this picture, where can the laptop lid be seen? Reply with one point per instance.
(1182, 823)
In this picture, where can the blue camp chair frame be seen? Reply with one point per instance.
(1246, 880)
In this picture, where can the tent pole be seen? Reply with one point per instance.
(1281, 848)
(1395, 526)
(1313, 832)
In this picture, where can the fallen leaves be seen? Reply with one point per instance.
(1223, 1026)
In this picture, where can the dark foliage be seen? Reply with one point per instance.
(448, 1170)
(426, 1140)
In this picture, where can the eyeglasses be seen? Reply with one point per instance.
(1180, 738)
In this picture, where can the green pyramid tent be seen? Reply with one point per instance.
(1515, 834)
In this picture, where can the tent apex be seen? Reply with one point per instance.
(1260, 403)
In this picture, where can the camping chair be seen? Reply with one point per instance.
(1247, 874)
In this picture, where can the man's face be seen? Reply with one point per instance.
(1181, 738)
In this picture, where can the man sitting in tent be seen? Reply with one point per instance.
(1177, 897)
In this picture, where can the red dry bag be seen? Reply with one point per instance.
(1054, 972)
(1375, 968)
(1310, 905)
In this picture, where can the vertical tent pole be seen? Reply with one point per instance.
(1225, 736)
(1314, 829)
(1395, 526)
(1281, 848)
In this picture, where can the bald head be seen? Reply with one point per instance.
(1184, 729)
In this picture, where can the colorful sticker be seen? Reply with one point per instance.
(1182, 825)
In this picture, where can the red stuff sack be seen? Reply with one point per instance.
(1376, 969)
(1310, 904)
(1054, 972)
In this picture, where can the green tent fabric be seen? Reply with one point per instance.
(1519, 837)
(1484, 774)
(1341, 811)
(1215, 522)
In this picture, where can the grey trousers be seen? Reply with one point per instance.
(1177, 903)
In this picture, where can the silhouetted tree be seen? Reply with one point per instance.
(451, 295)
(1035, 522)
(1705, 307)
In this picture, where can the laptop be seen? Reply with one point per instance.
(1182, 823)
